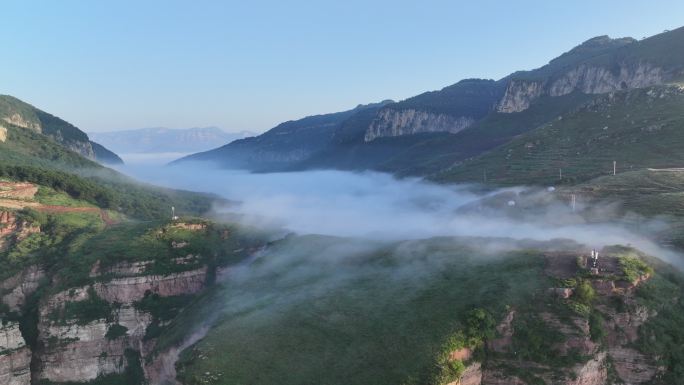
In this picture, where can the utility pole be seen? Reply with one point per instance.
(560, 174)
(573, 202)
(614, 167)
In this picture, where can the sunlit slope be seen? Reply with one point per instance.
(29, 156)
(648, 192)
(19, 114)
(638, 129)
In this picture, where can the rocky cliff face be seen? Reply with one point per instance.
(519, 94)
(585, 78)
(21, 285)
(80, 353)
(15, 356)
(83, 148)
(597, 80)
(3, 134)
(613, 358)
(20, 121)
(73, 351)
(390, 122)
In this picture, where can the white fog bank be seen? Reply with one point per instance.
(379, 206)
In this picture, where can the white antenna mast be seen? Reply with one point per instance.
(573, 202)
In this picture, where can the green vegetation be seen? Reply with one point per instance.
(634, 268)
(308, 321)
(59, 234)
(471, 97)
(534, 340)
(647, 192)
(49, 196)
(638, 129)
(478, 327)
(83, 312)
(153, 242)
(114, 192)
(115, 331)
(662, 336)
(430, 153)
(448, 371)
(596, 329)
(162, 309)
(58, 130)
(584, 292)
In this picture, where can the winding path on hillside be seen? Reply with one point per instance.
(20, 195)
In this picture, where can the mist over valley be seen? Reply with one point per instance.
(524, 228)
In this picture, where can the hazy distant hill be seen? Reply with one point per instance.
(164, 140)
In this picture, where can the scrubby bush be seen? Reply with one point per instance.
(85, 311)
(584, 292)
(633, 268)
(115, 331)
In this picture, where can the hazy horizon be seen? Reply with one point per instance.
(251, 66)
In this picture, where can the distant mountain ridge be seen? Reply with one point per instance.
(161, 139)
(438, 130)
(286, 144)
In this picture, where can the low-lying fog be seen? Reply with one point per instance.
(379, 206)
(150, 159)
(312, 275)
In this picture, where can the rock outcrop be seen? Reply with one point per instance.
(21, 285)
(72, 351)
(83, 148)
(391, 122)
(585, 78)
(131, 289)
(15, 356)
(471, 376)
(20, 121)
(13, 230)
(79, 353)
(631, 366)
(598, 80)
(519, 95)
(592, 372)
(3, 134)
(615, 353)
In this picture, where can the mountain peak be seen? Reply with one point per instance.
(373, 105)
(604, 41)
(595, 46)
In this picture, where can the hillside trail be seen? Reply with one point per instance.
(20, 195)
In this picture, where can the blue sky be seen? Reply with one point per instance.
(107, 65)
